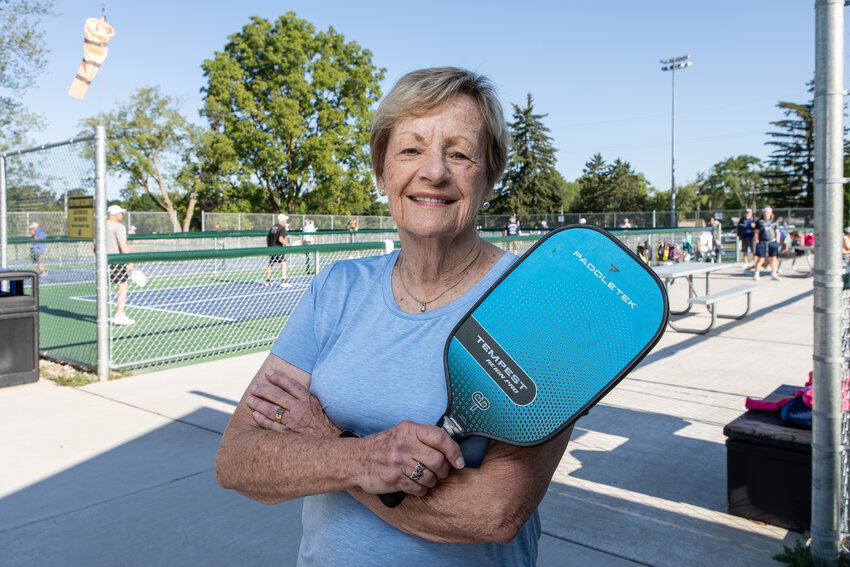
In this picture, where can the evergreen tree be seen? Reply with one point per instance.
(531, 183)
(791, 173)
(610, 188)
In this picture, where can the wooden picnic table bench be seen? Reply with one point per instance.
(711, 300)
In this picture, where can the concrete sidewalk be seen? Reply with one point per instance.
(122, 472)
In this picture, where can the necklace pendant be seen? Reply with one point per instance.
(421, 307)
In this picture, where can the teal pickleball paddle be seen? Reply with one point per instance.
(548, 340)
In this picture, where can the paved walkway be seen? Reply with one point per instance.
(121, 472)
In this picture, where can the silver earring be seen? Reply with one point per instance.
(485, 206)
(381, 192)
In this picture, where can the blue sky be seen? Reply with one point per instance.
(593, 67)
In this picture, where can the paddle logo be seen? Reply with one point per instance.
(498, 364)
(479, 401)
(601, 277)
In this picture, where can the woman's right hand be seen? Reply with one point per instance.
(389, 458)
(382, 462)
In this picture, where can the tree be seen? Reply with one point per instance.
(22, 57)
(147, 140)
(734, 183)
(792, 163)
(531, 183)
(610, 188)
(296, 106)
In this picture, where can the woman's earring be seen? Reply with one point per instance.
(381, 192)
(485, 206)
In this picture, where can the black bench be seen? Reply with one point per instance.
(769, 468)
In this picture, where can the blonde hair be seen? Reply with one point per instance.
(420, 92)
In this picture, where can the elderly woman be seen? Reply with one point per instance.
(362, 352)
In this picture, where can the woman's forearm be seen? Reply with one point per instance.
(489, 504)
(271, 467)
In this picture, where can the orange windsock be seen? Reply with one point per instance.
(98, 34)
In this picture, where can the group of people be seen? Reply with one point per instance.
(768, 242)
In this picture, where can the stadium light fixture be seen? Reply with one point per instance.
(674, 64)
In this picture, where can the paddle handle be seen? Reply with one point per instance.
(393, 499)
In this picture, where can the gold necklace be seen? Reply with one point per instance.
(422, 304)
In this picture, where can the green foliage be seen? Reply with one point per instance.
(22, 58)
(791, 178)
(610, 187)
(734, 183)
(295, 106)
(687, 198)
(147, 143)
(531, 183)
(801, 556)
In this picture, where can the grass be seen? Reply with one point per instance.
(75, 381)
(801, 556)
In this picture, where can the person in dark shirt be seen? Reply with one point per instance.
(767, 243)
(746, 232)
(277, 237)
(512, 229)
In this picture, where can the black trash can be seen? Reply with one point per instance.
(18, 327)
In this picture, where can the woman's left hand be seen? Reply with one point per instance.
(299, 411)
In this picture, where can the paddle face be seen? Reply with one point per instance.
(551, 337)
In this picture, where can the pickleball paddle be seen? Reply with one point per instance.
(546, 342)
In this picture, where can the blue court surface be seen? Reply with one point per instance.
(227, 301)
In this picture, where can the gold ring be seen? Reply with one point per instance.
(278, 414)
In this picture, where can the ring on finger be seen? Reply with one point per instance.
(278, 414)
(417, 472)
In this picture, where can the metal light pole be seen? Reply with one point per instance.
(827, 352)
(673, 64)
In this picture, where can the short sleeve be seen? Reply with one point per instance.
(297, 342)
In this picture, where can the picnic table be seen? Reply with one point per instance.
(807, 253)
(688, 270)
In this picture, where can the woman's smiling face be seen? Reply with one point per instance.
(435, 170)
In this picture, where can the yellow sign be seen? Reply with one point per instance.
(81, 218)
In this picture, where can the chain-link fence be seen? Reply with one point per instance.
(845, 416)
(41, 179)
(643, 219)
(211, 222)
(160, 222)
(214, 303)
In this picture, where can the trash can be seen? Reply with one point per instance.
(18, 327)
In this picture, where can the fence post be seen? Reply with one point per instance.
(102, 283)
(3, 225)
(827, 358)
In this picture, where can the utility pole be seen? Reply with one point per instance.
(673, 64)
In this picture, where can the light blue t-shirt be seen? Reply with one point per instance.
(372, 366)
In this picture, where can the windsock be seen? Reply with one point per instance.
(98, 34)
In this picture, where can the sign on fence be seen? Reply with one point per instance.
(81, 218)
